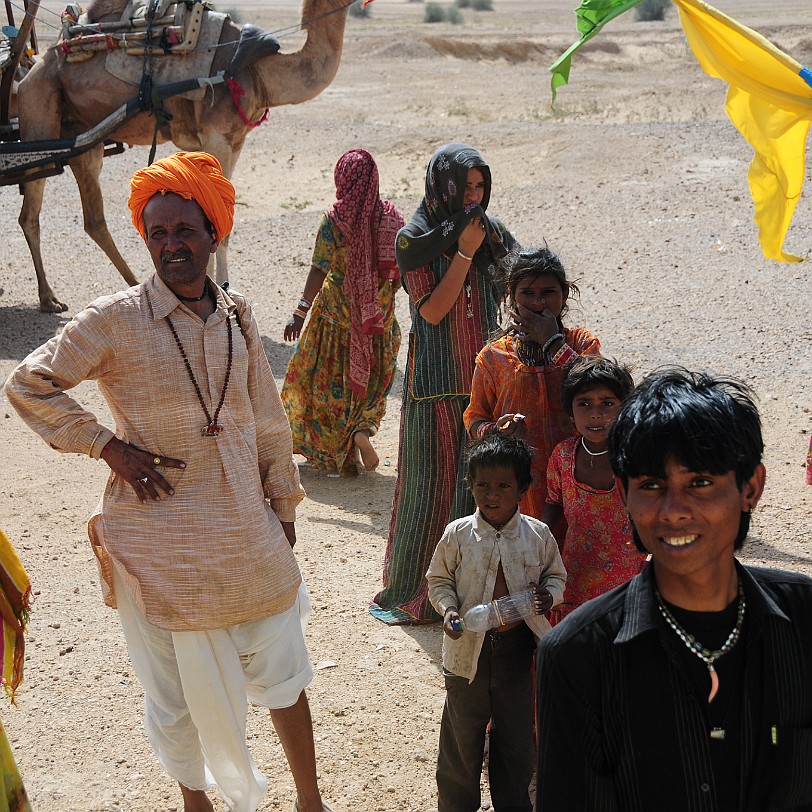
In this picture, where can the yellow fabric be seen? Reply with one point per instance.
(194, 176)
(768, 102)
(13, 797)
(15, 590)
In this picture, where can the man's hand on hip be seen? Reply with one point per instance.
(138, 468)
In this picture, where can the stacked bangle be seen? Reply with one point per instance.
(301, 308)
(565, 354)
(550, 341)
(465, 256)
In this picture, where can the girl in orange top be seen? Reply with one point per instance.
(517, 380)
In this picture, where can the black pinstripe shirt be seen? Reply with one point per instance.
(623, 729)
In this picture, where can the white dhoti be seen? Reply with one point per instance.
(197, 686)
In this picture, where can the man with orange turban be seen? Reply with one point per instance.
(193, 176)
(194, 533)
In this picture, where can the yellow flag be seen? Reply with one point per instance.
(770, 103)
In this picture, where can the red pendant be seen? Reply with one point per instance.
(212, 430)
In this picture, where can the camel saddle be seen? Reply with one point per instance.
(188, 29)
(161, 27)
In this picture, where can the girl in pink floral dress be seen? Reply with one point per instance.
(598, 551)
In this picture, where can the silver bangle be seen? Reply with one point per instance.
(466, 258)
(550, 341)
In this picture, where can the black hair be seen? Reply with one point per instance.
(592, 371)
(496, 449)
(528, 263)
(702, 422)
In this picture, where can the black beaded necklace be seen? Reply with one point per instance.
(212, 427)
(196, 298)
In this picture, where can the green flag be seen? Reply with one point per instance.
(592, 16)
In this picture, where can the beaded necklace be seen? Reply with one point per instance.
(530, 353)
(195, 298)
(212, 427)
(706, 655)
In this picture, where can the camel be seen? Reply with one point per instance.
(58, 98)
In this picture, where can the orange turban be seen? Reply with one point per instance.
(194, 176)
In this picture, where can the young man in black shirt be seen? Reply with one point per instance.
(690, 687)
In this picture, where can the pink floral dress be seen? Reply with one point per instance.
(598, 551)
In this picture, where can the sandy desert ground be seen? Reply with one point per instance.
(638, 180)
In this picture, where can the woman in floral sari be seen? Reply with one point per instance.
(344, 363)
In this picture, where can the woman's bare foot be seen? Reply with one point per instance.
(195, 800)
(364, 447)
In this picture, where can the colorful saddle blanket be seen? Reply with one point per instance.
(187, 33)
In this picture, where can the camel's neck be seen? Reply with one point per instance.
(302, 75)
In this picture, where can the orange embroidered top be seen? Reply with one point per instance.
(502, 384)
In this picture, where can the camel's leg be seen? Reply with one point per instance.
(227, 153)
(39, 108)
(86, 169)
(221, 259)
(29, 222)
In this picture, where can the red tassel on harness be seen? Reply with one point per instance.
(238, 90)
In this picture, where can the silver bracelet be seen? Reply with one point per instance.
(304, 304)
(550, 341)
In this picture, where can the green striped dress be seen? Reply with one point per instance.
(431, 490)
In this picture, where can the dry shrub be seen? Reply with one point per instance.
(433, 13)
(453, 15)
(650, 10)
(357, 10)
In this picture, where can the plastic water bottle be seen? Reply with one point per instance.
(504, 610)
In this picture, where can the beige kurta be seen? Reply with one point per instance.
(213, 554)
